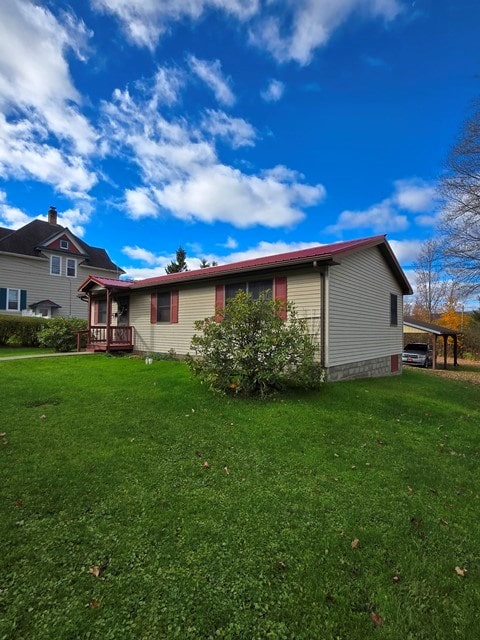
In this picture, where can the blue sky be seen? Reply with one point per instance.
(234, 128)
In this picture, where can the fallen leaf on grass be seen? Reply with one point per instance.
(396, 578)
(409, 489)
(99, 569)
(43, 417)
(3, 434)
(355, 543)
(416, 521)
(460, 571)
(18, 503)
(206, 465)
(281, 565)
(376, 619)
(199, 454)
(226, 470)
(444, 522)
(94, 604)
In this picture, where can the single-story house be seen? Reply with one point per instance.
(351, 294)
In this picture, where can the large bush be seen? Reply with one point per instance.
(61, 333)
(20, 330)
(251, 350)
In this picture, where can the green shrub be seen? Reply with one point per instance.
(61, 333)
(20, 330)
(252, 351)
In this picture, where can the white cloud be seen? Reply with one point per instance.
(380, 218)
(415, 195)
(182, 174)
(296, 28)
(11, 217)
(222, 193)
(210, 72)
(139, 204)
(137, 253)
(230, 243)
(24, 155)
(274, 91)
(43, 134)
(406, 251)
(411, 195)
(288, 29)
(34, 72)
(74, 219)
(145, 21)
(237, 131)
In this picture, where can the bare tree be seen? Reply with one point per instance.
(432, 288)
(460, 222)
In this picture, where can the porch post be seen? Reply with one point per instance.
(109, 318)
(445, 339)
(455, 350)
(89, 311)
(434, 363)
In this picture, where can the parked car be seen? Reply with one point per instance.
(418, 353)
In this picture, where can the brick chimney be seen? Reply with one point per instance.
(52, 215)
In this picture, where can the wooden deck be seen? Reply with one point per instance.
(103, 338)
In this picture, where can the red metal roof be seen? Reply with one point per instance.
(322, 254)
(108, 283)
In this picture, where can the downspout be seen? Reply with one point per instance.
(323, 312)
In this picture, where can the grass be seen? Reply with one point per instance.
(103, 465)
(9, 351)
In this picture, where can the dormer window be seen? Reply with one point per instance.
(64, 244)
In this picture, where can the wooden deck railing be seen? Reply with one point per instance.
(106, 338)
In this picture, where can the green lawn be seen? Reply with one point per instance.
(8, 352)
(103, 465)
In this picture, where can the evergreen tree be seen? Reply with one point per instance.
(180, 262)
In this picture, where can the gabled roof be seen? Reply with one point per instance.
(107, 283)
(45, 303)
(29, 239)
(320, 255)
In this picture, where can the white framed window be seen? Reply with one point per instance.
(55, 265)
(13, 299)
(71, 268)
(64, 244)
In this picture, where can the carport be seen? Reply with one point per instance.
(411, 325)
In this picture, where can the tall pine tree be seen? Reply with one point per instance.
(180, 262)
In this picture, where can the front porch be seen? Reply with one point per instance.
(102, 338)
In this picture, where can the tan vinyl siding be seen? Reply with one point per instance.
(198, 301)
(195, 302)
(33, 275)
(359, 309)
(303, 289)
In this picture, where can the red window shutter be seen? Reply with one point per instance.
(219, 300)
(280, 293)
(153, 309)
(174, 306)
